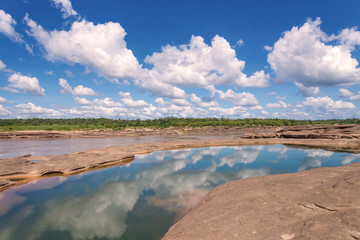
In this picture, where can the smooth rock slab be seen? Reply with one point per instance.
(321, 203)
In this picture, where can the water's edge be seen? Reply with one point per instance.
(20, 170)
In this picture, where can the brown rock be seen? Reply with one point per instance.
(321, 203)
(265, 135)
(5, 183)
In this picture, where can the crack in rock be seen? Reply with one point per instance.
(325, 208)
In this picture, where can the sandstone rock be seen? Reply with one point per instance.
(5, 183)
(321, 203)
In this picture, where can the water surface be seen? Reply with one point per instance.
(41, 147)
(142, 199)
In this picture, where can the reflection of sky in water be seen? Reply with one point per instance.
(40, 147)
(141, 200)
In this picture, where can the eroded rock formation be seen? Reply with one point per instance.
(322, 203)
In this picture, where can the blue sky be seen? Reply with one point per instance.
(152, 59)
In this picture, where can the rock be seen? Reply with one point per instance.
(248, 136)
(321, 203)
(265, 135)
(5, 183)
(320, 132)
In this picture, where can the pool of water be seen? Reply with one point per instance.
(142, 199)
(41, 147)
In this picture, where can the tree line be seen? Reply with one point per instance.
(118, 124)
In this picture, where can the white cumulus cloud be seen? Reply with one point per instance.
(327, 105)
(29, 109)
(4, 111)
(292, 114)
(65, 7)
(168, 108)
(305, 55)
(199, 103)
(238, 99)
(105, 102)
(346, 93)
(237, 111)
(280, 104)
(350, 37)
(101, 47)
(146, 80)
(181, 102)
(2, 66)
(199, 64)
(257, 108)
(26, 84)
(268, 48)
(106, 107)
(196, 64)
(79, 90)
(129, 102)
(307, 91)
(7, 24)
(4, 100)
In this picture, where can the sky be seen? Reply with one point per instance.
(146, 59)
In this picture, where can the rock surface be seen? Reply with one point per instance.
(321, 203)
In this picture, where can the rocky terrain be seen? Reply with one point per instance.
(132, 132)
(322, 203)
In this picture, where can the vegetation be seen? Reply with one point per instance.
(105, 123)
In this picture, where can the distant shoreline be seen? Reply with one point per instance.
(168, 131)
(106, 124)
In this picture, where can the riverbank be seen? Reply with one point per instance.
(334, 131)
(135, 132)
(22, 169)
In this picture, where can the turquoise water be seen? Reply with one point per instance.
(142, 199)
